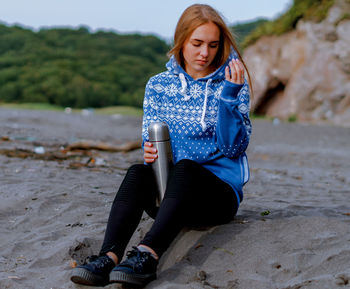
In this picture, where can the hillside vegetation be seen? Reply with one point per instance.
(77, 68)
(312, 10)
(243, 29)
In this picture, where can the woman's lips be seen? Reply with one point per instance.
(202, 62)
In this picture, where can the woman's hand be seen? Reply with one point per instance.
(237, 72)
(149, 152)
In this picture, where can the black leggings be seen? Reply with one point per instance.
(194, 197)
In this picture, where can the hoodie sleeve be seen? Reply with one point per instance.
(149, 110)
(233, 127)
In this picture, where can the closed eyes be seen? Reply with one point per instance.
(198, 43)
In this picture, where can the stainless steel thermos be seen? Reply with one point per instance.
(160, 138)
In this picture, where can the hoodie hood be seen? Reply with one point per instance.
(175, 68)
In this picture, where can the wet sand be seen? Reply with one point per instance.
(292, 229)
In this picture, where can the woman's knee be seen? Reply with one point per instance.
(138, 169)
(136, 183)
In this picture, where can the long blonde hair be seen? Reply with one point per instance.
(195, 16)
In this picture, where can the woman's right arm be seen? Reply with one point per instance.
(149, 114)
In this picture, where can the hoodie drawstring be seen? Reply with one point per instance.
(184, 87)
(203, 124)
(187, 97)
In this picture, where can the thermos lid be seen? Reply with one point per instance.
(158, 131)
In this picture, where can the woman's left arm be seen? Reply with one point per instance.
(233, 127)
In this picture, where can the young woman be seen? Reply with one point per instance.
(204, 99)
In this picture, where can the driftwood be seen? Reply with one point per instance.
(77, 150)
(4, 138)
(81, 148)
(48, 156)
(102, 146)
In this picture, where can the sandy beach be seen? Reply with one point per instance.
(292, 230)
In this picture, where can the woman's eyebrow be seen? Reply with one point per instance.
(199, 40)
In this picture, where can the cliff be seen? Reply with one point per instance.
(305, 73)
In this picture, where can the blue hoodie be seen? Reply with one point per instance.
(208, 120)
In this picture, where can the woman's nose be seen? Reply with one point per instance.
(204, 51)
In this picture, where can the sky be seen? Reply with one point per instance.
(125, 16)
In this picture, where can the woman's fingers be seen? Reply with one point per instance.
(149, 158)
(237, 72)
(241, 68)
(234, 72)
(149, 149)
(227, 73)
(150, 153)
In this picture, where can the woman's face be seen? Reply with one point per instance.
(200, 49)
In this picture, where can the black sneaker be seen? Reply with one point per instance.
(95, 272)
(138, 269)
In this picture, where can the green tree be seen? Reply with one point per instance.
(73, 67)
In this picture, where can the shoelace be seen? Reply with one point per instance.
(90, 259)
(103, 260)
(141, 257)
